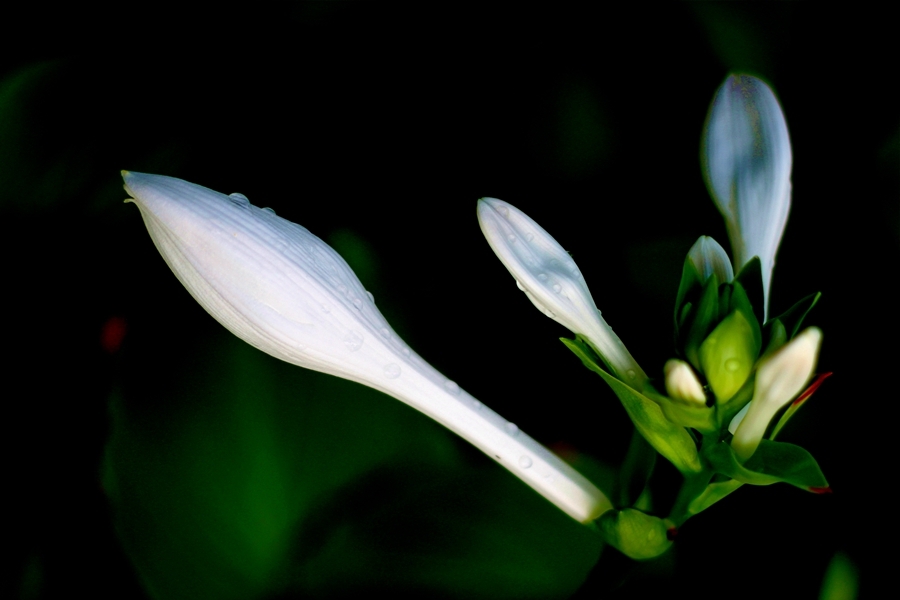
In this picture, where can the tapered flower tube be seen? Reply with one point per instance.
(779, 379)
(553, 283)
(747, 160)
(283, 290)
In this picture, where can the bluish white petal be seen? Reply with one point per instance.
(779, 379)
(552, 281)
(283, 290)
(747, 162)
(709, 258)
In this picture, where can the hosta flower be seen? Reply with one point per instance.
(552, 281)
(283, 290)
(747, 162)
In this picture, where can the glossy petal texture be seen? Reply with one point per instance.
(747, 162)
(553, 283)
(283, 290)
(778, 381)
(709, 257)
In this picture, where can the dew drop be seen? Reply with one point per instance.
(512, 429)
(353, 341)
(357, 303)
(524, 462)
(239, 199)
(503, 210)
(529, 237)
(452, 387)
(542, 276)
(386, 334)
(557, 288)
(269, 210)
(476, 404)
(392, 371)
(520, 286)
(511, 238)
(732, 365)
(342, 288)
(631, 374)
(370, 296)
(405, 352)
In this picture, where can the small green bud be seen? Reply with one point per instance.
(635, 534)
(728, 354)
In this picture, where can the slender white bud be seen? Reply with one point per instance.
(682, 383)
(553, 283)
(747, 162)
(709, 258)
(779, 379)
(283, 290)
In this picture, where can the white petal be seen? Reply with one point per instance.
(779, 379)
(283, 290)
(709, 257)
(747, 162)
(550, 279)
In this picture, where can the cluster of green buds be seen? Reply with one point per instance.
(712, 415)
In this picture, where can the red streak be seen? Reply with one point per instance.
(671, 533)
(821, 490)
(812, 388)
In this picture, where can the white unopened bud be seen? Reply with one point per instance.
(682, 384)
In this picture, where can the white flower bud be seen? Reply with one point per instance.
(682, 384)
(283, 290)
(747, 162)
(553, 283)
(778, 381)
(709, 258)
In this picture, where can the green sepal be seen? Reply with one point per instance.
(776, 334)
(712, 494)
(771, 463)
(740, 301)
(793, 317)
(751, 280)
(636, 535)
(689, 291)
(671, 440)
(705, 316)
(684, 413)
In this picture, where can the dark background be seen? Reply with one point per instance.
(151, 454)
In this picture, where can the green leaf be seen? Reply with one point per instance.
(705, 317)
(635, 534)
(771, 463)
(684, 413)
(636, 470)
(793, 317)
(750, 279)
(669, 439)
(712, 494)
(689, 290)
(776, 335)
(740, 301)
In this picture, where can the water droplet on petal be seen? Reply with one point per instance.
(503, 210)
(524, 462)
(529, 237)
(357, 303)
(476, 404)
(542, 276)
(511, 238)
(353, 341)
(342, 288)
(631, 373)
(405, 352)
(512, 429)
(732, 365)
(520, 286)
(452, 387)
(239, 199)
(392, 371)
(557, 288)
(370, 296)
(386, 334)
(269, 210)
